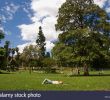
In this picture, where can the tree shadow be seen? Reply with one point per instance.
(5, 72)
(91, 75)
(100, 75)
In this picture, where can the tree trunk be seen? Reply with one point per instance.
(86, 71)
(30, 70)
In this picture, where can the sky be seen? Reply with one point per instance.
(20, 20)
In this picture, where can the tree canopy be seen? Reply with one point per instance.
(85, 34)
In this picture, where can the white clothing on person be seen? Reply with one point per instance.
(47, 81)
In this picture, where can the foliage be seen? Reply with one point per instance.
(48, 64)
(41, 43)
(7, 61)
(85, 34)
(47, 54)
(29, 54)
(13, 66)
(1, 34)
(2, 58)
(17, 57)
(6, 46)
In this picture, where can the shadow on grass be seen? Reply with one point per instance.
(100, 75)
(6, 72)
(89, 75)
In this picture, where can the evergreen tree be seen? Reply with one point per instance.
(17, 57)
(48, 54)
(41, 43)
(1, 35)
(7, 51)
(2, 51)
(6, 46)
(13, 52)
(2, 58)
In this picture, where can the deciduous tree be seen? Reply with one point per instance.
(85, 32)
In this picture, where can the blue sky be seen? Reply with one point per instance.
(21, 19)
(12, 15)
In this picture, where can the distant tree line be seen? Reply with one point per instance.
(33, 56)
(8, 61)
(36, 57)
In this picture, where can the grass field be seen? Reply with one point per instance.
(26, 81)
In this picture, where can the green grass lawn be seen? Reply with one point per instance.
(26, 81)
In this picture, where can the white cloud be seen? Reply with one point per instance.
(49, 46)
(100, 2)
(48, 26)
(107, 6)
(29, 32)
(41, 8)
(1, 28)
(108, 10)
(21, 47)
(26, 8)
(8, 11)
(3, 18)
(45, 12)
(46, 7)
(13, 8)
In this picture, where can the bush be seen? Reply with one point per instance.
(48, 64)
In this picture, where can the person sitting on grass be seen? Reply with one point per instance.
(47, 81)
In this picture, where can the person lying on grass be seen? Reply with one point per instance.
(47, 81)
